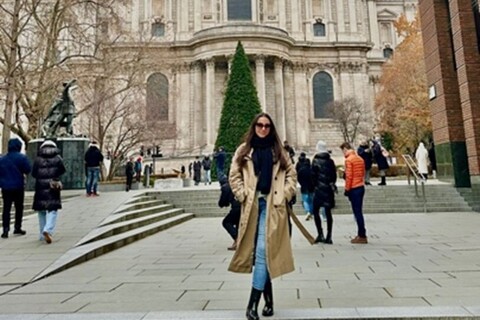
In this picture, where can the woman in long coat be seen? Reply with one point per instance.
(48, 166)
(421, 155)
(263, 179)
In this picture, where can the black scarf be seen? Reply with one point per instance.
(263, 161)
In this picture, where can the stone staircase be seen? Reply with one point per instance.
(389, 199)
(142, 216)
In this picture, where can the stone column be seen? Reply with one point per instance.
(340, 17)
(182, 115)
(197, 15)
(296, 18)
(290, 110)
(209, 101)
(373, 22)
(260, 78)
(182, 20)
(302, 105)
(308, 17)
(197, 108)
(282, 11)
(352, 10)
(135, 16)
(279, 99)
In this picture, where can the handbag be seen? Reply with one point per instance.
(56, 184)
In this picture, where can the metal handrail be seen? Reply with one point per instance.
(412, 166)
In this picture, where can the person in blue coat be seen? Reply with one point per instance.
(14, 166)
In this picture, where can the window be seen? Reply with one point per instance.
(322, 94)
(387, 53)
(157, 97)
(476, 14)
(239, 10)
(319, 29)
(158, 29)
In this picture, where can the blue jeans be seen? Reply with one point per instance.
(47, 221)
(307, 201)
(355, 196)
(208, 178)
(260, 271)
(93, 174)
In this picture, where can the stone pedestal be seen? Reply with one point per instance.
(72, 150)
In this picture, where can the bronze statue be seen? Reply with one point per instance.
(61, 114)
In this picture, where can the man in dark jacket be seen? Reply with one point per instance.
(13, 168)
(207, 166)
(220, 162)
(93, 160)
(232, 219)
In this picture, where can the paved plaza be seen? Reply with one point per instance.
(416, 266)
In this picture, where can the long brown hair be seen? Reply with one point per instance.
(278, 150)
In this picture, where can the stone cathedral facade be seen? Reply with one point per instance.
(304, 54)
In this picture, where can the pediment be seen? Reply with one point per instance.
(386, 14)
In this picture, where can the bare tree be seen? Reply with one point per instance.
(39, 39)
(352, 117)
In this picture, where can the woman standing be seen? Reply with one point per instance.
(324, 179)
(47, 167)
(421, 155)
(263, 180)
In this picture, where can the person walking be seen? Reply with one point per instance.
(197, 169)
(324, 180)
(421, 155)
(263, 179)
(433, 159)
(232, 219)
(93, 161)
(355, 189)
(380, 157)
(190, 168)
(14, 166)
(129, 173)
(138, 169)
(220, 162)
(48, 167)
(207, 166)
(365, 152)
(304, 176)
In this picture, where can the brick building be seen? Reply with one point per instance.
(451, 36)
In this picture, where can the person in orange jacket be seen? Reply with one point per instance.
(355, 188)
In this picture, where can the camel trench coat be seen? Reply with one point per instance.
(243, 182)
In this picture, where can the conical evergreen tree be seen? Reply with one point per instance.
(240, 106)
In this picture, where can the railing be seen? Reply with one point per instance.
(413, 169)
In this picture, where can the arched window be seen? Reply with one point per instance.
(239, 10)
(319, 29)
(387, 53)
(322, 94)
(157, 97)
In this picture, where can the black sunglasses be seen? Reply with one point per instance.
(261, 125)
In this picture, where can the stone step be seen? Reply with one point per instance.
(90, 250)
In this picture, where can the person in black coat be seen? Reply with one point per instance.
(324, 179)
(381, 160)
(129, 173)
(197, 169)
(304, 177)
(47, 167)
(232, 219)
(365, 152)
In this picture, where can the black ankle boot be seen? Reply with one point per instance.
(383, 182)
(320, 238)
(268, 296)
(252, 313)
